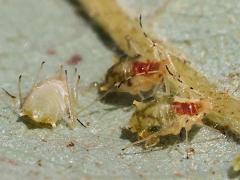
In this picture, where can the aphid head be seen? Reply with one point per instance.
(116, 74)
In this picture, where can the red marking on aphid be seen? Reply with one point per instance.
(74, 60)
(145, 68)
(186, 108)
(51, 52)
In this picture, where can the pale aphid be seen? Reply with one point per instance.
(50, 100)
(166, 115)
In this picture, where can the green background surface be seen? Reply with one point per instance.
(208, 31)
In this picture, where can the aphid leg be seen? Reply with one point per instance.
(141, 96)
(76, 85)
(20, 91)
(81, 123)
(187, 142)
(154, 135)
(166, 85)
(14, 105)
(8, 94)
(71, 122)
(38, 73)
(174, 130)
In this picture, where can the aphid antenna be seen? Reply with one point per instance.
(38, 73)
(96, 99)
(140, 23)
(20, 90)
(8, 93)
(81, 123)
(154, 44)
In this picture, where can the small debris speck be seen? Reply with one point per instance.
(39, 162)
(74, 60)
(71, 144)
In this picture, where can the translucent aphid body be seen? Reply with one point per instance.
(46, 103)
(166, 115)
(50, 100)
(134, 76)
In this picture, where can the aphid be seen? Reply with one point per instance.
(166, 115)
(50, 100)
(135, 76)
(141, 76)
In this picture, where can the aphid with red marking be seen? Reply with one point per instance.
(134, 76)
(50, 100)
(166, 115)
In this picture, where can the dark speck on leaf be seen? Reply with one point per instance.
(39, 162)
(71, 144)
(74, 60)
(51, 52)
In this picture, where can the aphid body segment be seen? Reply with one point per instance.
(134, 76)
(51, 100)
(166, 115)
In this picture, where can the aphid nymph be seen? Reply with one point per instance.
(134, 76)
(166, 115)
(50, 100)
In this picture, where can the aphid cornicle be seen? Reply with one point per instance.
(166, 115)
(134, 76)
(50, 100)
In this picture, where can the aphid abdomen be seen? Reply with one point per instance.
(116, 74)
(186, 108)
(145, 68)
(46, 103)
